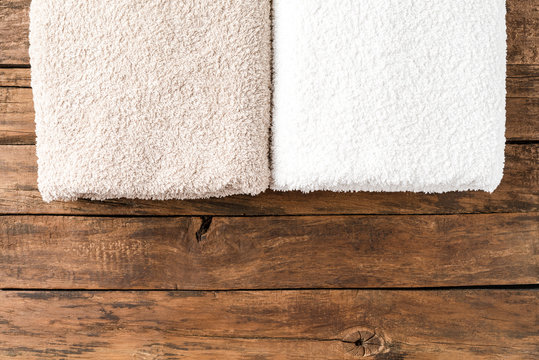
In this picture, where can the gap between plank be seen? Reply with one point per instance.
(426, 289)
(253, 215)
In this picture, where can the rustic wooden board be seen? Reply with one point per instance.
(522, 33)
(16, 116)
(14, 23)
(522, 80)
(21, 77)
(519, 192)
(450, 324)
(268, 252)
(522, 119)
(17, 111)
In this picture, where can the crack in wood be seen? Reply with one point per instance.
(204, 228)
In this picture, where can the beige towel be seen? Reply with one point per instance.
(151, 99)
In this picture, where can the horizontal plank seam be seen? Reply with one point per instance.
(522, 142)
(173, 290)
(201, 215)
(15, 87)
(18, 66)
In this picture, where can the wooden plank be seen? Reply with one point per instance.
(268, 252)
(15, 77)
(522, 81)
(451, 324)
(522, 31)
(17, 111)
(16, 116)
(519, 192)
(522, 102)
(522, 119)
(14, 25)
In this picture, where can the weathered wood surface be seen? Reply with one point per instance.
(522, 32)
(17, 111)
(21, 77)
(519, 192)
(268, 252)
(381, 251)
(522, 119)
(16, 116)
(522, 80)
(14, 24)
(449, 324)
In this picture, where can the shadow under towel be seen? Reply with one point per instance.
(151, 99)
(389, 95)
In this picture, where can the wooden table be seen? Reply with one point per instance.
(281, 275)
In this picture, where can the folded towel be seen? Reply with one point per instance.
(389, 95)
(151, 99)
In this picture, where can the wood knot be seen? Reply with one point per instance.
(361, 342)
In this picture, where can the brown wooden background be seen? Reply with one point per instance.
(281, 275)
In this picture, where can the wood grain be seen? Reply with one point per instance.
(16, 116)
(451, 324)
(268, 252)
(14, 24)
(15, 77)
(522, 119)
(522, 31)
(522, 81)
(519, 192)
(522, 34)
(17, 111)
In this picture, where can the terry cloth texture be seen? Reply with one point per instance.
(151, 99)
(389, 95)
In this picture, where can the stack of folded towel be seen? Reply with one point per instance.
(172, 99)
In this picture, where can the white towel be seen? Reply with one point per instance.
(151, 99)
(389, 95)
